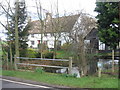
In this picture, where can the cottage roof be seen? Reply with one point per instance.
(61, 24)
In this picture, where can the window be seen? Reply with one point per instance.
(45, 34)
(59, 43)
(52, 34)
(32, 35)
(32, 42)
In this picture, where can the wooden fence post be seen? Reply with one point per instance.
(100, 65)
(15, 62)
(70, 65)
(99, 72)
(112, 61)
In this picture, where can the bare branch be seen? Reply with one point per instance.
(3, 25)
(10, 7)
(5, 10)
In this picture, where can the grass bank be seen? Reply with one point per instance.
(105, 81)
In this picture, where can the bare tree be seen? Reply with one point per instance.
(60, 26)
(7, 10)
(81, 29)
(56, 29)
(41, 16)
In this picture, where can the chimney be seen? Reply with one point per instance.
(48, 16)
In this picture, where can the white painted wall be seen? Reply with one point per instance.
(50, 40)
(101, 45)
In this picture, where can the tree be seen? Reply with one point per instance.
(16, 30)
(7, 10)
(83, 26)
(108, 21)
(19, 18)
(61, 26)
(56, 28)
(17, 27)
(41, 17)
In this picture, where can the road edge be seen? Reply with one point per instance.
(33, 82)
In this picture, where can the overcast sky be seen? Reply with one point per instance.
(68, 6)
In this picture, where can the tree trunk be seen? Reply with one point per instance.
(11, 61)
(16, 31)
(83, 59)
(41, 47)
(55, 47)
(92, 66)
(7, 61)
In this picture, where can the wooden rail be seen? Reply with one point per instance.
(28, 64)
(42, 59)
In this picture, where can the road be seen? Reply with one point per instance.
(14, 84)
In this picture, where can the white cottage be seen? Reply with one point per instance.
(52, 28)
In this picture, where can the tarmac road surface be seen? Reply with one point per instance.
(14, 84)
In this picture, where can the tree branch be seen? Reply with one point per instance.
(5, 10)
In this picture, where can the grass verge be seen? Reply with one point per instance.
(105, 81)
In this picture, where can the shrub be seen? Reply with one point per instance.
(65, 46)
(31, 53)
(39, 70)
(48, 54)
(38, 55)
(70, 75)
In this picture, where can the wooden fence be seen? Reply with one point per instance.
(38, 65)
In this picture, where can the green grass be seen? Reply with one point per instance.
(63, 54)
(105, 81)
(60, 54)
(110, 70)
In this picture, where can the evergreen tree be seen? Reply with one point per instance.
(22, 28)
(108, 20)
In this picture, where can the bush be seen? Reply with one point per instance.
(70, 75)
(65, 46)
(48, 54)
(39, 70)
(38, 55)
(31, 53)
